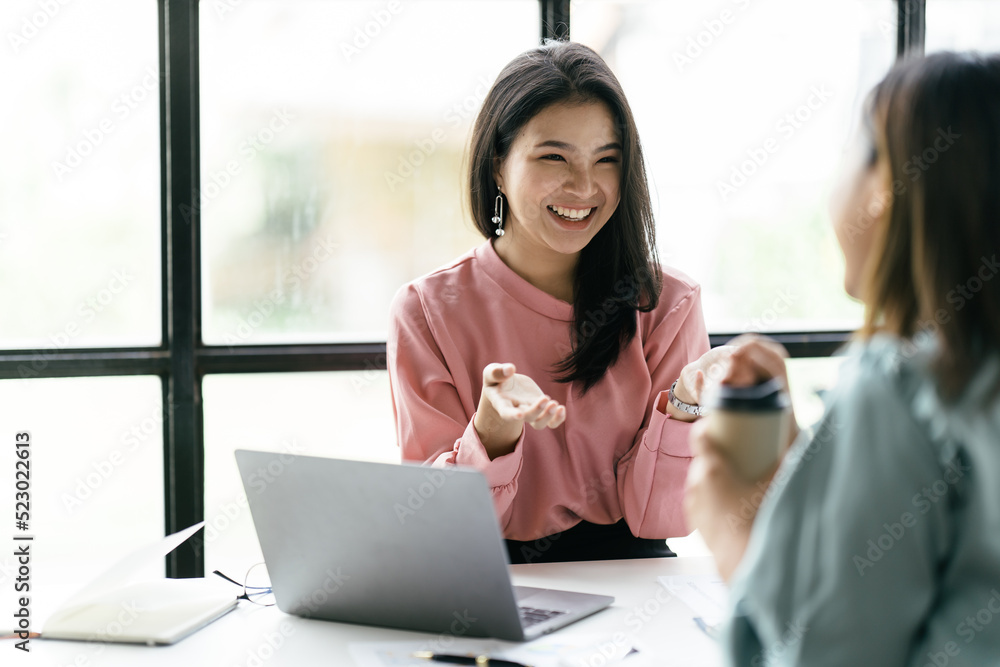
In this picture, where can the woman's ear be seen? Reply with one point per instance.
(880, 195)
(497, 175)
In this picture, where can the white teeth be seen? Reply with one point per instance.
(571, 214)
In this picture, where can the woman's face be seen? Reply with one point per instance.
(561, 179)
(859, 206)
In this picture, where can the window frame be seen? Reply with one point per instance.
(182, 360)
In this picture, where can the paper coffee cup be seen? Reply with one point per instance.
(750, 424)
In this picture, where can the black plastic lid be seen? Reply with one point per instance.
(769, 395)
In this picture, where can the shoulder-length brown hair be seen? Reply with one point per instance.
(933, 267)
(617, 274)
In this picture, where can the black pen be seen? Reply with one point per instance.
(478, 660)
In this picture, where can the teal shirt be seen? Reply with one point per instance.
(878, 543)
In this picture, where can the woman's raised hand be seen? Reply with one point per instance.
(719, 502)
(708, 367)
(696, 376)
(757, 359)
(508, 401)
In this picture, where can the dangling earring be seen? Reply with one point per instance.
(498, 213)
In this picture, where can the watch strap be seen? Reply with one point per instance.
(695, 410)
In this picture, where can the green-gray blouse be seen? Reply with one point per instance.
(878, 543)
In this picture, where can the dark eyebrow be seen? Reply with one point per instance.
(552, 143)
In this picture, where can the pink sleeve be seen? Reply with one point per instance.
(652, 473)
(433, 418)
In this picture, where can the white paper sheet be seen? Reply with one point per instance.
(706, 595)
(116, 607)
(121, 572)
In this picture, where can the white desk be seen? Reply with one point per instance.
(253, 636)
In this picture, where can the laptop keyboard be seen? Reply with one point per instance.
(531, 616)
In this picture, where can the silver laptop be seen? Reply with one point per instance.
(402, 546)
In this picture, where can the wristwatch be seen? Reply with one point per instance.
(696, 410)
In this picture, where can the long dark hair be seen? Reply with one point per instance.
(617, 274)
(933, 265)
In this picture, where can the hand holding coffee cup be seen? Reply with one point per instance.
(750, 416)
(750, 424)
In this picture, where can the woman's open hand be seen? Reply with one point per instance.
(508, 401)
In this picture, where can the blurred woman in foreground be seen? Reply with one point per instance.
(878, 540)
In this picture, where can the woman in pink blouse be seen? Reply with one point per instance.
(562, 321)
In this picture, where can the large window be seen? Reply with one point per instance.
(206, 207)
(96, 470)
(79, 180)
(956, 25)
(79, 268)
(743, 111)
(332, 144)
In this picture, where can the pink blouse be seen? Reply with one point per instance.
(618, 454)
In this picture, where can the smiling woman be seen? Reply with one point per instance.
(566, 190)
(565, 322)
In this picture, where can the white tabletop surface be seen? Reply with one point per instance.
(254, 636)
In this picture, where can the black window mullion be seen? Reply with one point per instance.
(910, 27)
(555, 19)
(297, 358)
(183, 435)
(802, 344)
